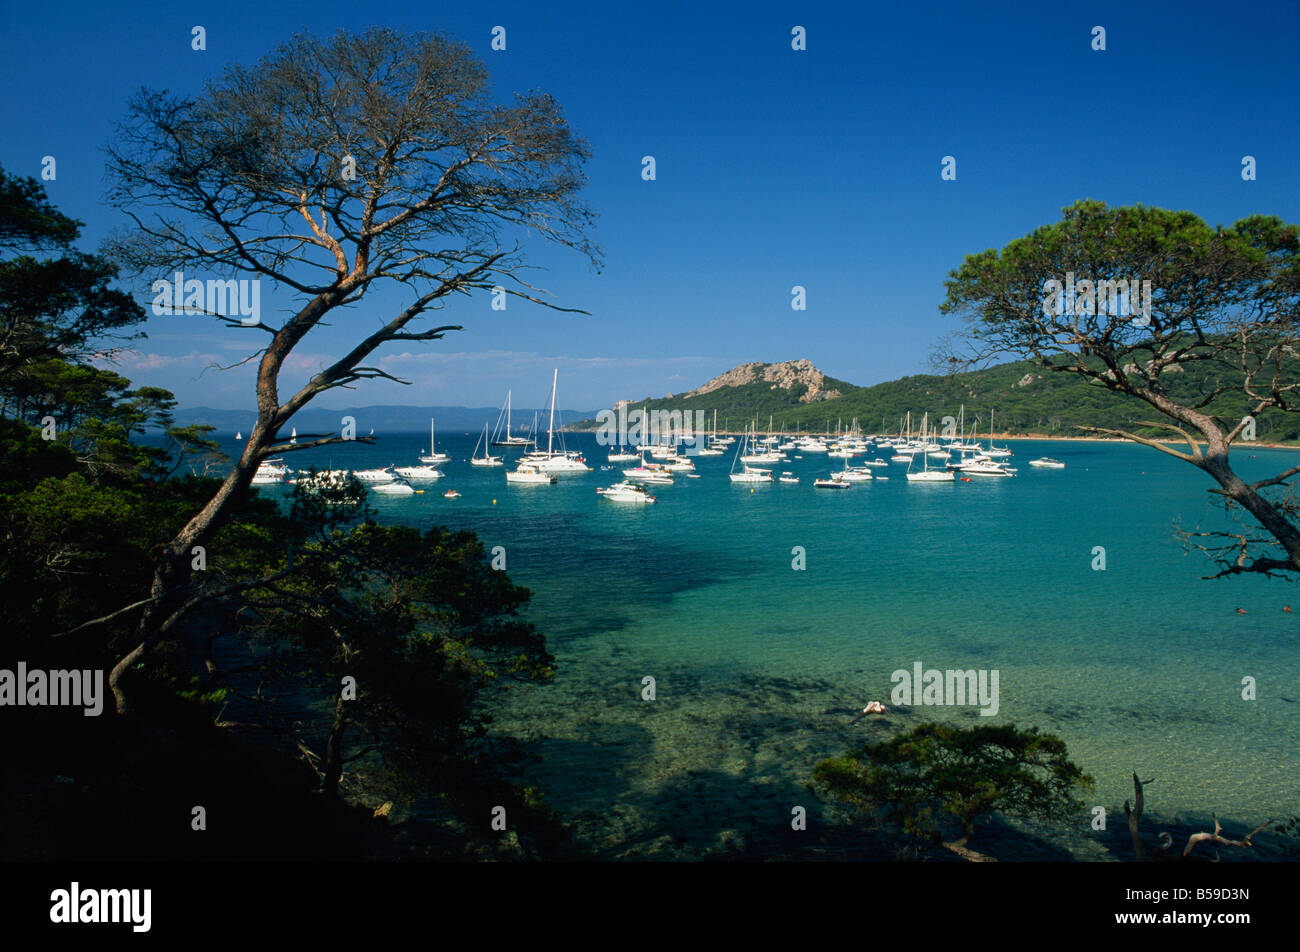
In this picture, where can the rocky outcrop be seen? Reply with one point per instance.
(786, 376)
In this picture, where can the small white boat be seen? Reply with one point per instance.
(853, 474)
(529, 475)
(1046, 462)
(626, 492)
(451, 494)
(270, 471)
(788, 478)
(650, 474)
(375, 475)
(986, 468)
(931, 476)
(394, 489)
(831, 484)
(618, 455)
(418, 472)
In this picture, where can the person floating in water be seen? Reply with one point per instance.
(874, 707)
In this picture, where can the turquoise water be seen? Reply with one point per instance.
(759, 667)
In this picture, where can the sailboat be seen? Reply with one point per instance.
(486, 459)
(433, 455)
(293, 435)
(747, 474)
(239, 436)
(711, 445)
(551, 461)
(508, 439)
(994, 452)
(928, 475)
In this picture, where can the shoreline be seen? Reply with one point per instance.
(1020, 436)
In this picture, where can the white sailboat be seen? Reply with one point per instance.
(486, 459)
(433, 455)
(293, 434)
(711, 445)
(747, 473)
(928, 475)
(994, 452)
(508, 439)
(551, 461)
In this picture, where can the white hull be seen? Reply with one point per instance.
(393, 489)
(932, 476)
(418, 472)
(529, 477)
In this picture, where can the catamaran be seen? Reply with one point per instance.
(529, 475)
(550, 461)
(498, 439)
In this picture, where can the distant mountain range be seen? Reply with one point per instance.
(794, 394)
(382, 418)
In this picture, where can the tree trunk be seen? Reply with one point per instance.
(174, 561)
(332, 769)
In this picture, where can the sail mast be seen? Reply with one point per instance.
(551, 428)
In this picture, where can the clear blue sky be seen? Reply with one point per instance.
(775, 167)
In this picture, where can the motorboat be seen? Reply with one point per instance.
(418, 472)
(626, 492)
(831, 483)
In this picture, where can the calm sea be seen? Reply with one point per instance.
(759, 667)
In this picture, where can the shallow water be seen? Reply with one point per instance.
(759, 667)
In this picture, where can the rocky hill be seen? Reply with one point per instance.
(796, 376)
